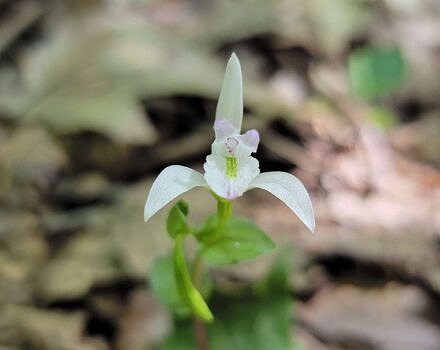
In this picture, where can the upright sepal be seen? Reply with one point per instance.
(230, 102)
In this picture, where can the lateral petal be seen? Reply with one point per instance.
(251, 139)
(169, 184)
(290, 190)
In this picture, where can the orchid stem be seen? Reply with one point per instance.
(200, 333)
(224, 210)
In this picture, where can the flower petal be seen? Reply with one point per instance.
(291, 191)
(230, 102)
(223, 129)
(251, 139)
(170, 183)
(224, 185)
(229, 143)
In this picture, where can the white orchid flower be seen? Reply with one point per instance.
(230, 170)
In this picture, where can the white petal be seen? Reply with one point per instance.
(228, 144)
(291, 191)
(230, 102)
(170, 183)
(225, 186)
(223, 129)
(251, 139)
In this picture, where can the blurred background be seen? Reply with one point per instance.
(96, 97)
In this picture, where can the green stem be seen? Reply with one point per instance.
(224, 211)
(200, 332)
(197, 270)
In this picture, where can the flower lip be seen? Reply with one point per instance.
(230, 177)
(231, 167)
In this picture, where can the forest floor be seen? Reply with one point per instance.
(96, 97)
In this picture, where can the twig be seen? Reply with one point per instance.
(200, 334)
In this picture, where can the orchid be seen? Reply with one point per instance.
(230, 170)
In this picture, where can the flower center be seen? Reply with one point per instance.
(231, 166)
(230, 144)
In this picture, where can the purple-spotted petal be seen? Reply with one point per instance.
(290, 190)
(170, 183)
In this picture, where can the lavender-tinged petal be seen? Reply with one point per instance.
(223, 129)
(251, 139)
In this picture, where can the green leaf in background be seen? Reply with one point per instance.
(375, 72)
(258, 320)
(164, 287)
(182, 337)
(241, 240)
(177, 219)
(208, 230)
(187, 291)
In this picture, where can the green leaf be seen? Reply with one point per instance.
(185, 286)
(375, 72)
(182, 337)
(208, 229)
(241, 240)
(259, 321)
(177, 219)
(278, 278)
(163, 284)
(254, 321)
(164, 287)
